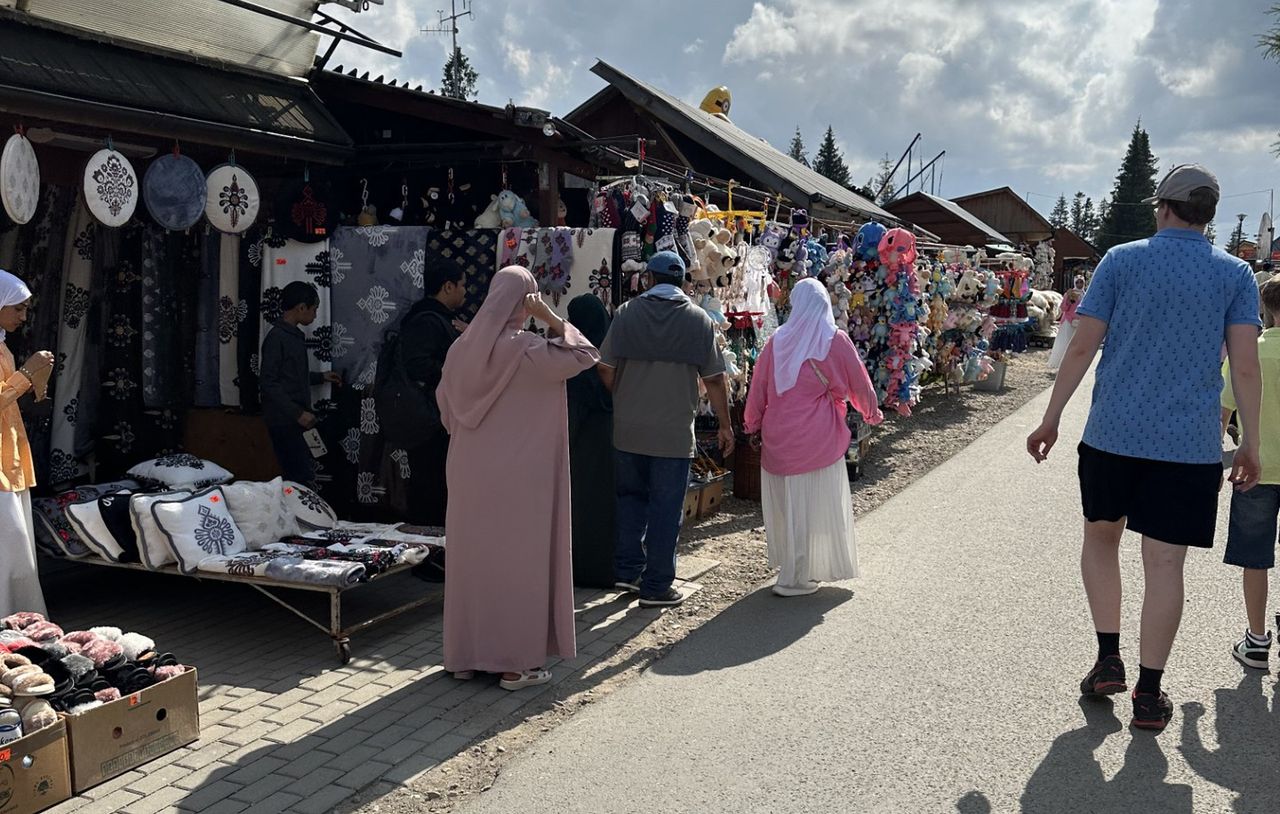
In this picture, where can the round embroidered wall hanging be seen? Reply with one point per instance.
(175, 191)
(110, 188)
(19, 179)
(232, 202)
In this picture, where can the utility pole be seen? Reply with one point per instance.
(449, 24)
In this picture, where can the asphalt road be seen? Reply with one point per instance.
(944, 679)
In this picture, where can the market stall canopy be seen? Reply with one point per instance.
(951, 222)
(754, 157)
(204, 29)
(52, 74)
(1006, 210)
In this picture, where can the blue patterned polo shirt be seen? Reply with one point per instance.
(1167, 302)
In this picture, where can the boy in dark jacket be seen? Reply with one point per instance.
(285, 379)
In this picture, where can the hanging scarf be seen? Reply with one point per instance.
(806, 335)
(12, 292)
(483, 362)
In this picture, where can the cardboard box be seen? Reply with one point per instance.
(711, 498)
(108, 741)
(35, 773)
(691, 498)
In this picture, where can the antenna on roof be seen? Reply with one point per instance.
(449, 24)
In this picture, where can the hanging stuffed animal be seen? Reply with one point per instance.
(513, 212)
(489, 218)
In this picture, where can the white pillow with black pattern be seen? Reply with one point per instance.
(311, 510)
(199, 527)
(180, 471)
(153, 546)
(260, 511)
(85, 516)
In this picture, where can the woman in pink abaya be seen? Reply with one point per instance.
(508, 603)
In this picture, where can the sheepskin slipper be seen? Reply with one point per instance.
(135, 644)
(25, 685)
(13, 639)
(152, 660)
(83, 638)
(22, 620)
(108, 695)
(130, 678)
(35, 654)
(111, 634)
(12, 661)
(83, 708)
(80, 667)
(103, 652)
(37, 713)
(43, 632)
(55, 648)
(168, 671)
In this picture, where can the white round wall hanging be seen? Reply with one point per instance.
(110, 188)
(233, 202)
(19, 179)
(174, 191)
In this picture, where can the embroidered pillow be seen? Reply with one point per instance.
(308, 507)
(260, 512)
(85, 517)
(114, 509)
(198, 527)
(153, 546)
(52, 526)
(181, 471)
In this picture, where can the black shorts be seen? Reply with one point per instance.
(1170, 502)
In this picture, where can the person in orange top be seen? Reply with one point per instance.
(19, 579)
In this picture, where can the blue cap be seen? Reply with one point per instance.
(666, 263)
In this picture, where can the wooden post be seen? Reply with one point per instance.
(548, 193)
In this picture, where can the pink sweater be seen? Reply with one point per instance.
(802, 429)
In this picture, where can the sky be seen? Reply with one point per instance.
(1040, 95)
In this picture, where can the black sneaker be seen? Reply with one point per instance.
(1251, 654)
(1151, 711)
(669, 599)
(631, 586)
(1106, 678)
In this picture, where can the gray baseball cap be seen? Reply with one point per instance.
(1182, 180)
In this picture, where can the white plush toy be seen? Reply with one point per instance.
(489, 218)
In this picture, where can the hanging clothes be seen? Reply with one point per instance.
(249, 334)
(233, 312)
(77, 275)
(208, 391)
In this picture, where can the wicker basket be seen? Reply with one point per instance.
(746, 473)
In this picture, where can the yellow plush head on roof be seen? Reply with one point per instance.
(717, 102)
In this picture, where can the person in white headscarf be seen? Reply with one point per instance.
(804, 380)
(19, 579)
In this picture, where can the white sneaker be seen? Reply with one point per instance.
(797, 590)
(1251, 654)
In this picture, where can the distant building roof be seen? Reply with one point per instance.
(768, 165)
(950, 221)
(1006, 210)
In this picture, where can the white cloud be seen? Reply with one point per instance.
(694, 47)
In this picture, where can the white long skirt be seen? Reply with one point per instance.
(809, 522)
(19, 577)
(1065, 331)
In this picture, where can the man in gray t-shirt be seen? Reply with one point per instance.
(659, 348)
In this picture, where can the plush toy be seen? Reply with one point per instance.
(431, 207)
(841, 296)
(717, 102)
(799, 222)
(489, 218)
(866, 244)
(512, 211)
(897, 248)
(771, 239)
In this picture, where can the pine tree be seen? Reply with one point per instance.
(1211, 233)
(1088, 219)
(1104, 211)
(829, 162)
(883, 178)
(1127, 217)
(1077, 213)
(1237, 237)
(798, 151)
(1059, 217)
(459, 80)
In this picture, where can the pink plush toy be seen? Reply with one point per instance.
(898, 247)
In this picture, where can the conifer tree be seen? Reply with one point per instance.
(1128, 218)
(798, 151)
(1059, 217)
(830, 162)
(459, 80)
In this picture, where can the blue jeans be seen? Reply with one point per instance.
(650, 512)
(1251, 538)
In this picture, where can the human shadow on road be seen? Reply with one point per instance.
(753, 628)
(1070, 779)
(1248, 752)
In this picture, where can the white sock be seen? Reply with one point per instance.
(1258, 640)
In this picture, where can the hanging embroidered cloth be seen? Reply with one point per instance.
(110, 188)
(175, 191)
(233, 312)
(475, 251)
(309, 263)
(208, 392)
(306, 212)
(233, 200)
(74, 309)
(591, 268)
(19, 179)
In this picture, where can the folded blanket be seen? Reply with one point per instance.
(376, 560)
(286, 567)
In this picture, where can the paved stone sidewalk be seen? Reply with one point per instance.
(284, 727)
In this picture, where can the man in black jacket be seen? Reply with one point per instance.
(286, 378)
(428, 331)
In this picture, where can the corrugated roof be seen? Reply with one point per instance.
(765, 163)
(53, 69)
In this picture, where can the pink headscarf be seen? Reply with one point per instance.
(483, 361)
(806, 334)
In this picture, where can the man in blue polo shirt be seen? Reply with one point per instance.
(1151, 458)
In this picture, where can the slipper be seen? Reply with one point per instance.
(111, 634)
(167, 671)
(55, 648)
(108, 695)
(135, 644)
(82, 669)
(85, 707)
(34, 654)
(12, 660)
(71, 699)
(27, 684)
(130, 678)
(152, 660)
(528, 678)
(83, 638)
(800, 590)
(20, 621)
(42, 632)
(105, 654)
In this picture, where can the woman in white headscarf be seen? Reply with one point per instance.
(19, 580)
(803, 381)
